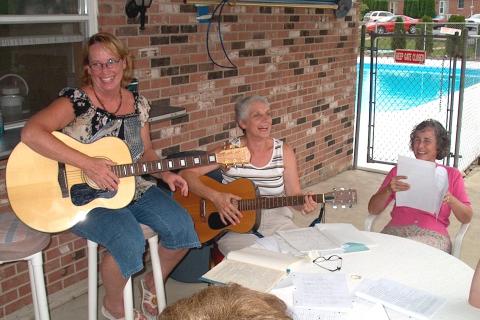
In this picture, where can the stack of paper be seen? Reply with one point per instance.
(428, 184)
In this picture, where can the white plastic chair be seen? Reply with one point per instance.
(19, 242)
(456, 243)
(152, 238)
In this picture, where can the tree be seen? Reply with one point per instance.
(428, 8)
(411, 8)
(399, 41)
(379, 5)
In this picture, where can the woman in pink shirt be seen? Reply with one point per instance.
(429, 141)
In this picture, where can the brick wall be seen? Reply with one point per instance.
(303, 60)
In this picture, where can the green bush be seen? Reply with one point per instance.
(425, 30)
(363, 10)
(428, 34)
(399, 41)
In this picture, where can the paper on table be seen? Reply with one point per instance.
(321, 291)
(308, 239)
(407, 300)
(326, 238)
(254, 268)
(428, 184)
(312, 314)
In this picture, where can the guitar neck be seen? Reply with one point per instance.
(277, 202)
(147, 167)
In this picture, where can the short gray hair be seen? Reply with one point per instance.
(243, 105)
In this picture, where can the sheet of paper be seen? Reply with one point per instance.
(264, 258)
(328, 291)
(308, 239)
(301, 313)
(248, 275)
(254, 268)
(407, 300)
(344, 233)
(425, 193)
(268, 243)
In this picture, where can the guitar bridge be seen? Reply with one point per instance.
(203, 210)
(62, 180)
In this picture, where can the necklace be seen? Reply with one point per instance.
(103, 104)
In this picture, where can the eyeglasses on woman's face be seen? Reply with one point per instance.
(109, 64)
(331, 263)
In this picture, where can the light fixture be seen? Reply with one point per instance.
(133, 7)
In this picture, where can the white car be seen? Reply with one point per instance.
(473, 22)
(375, 15)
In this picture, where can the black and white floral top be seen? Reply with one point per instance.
(92, 123)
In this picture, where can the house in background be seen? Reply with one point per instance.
(457, 7)
(448, 7)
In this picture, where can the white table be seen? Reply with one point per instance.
(410, 263)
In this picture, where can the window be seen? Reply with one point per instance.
(442, 7)
(40, 52)
(461, 4)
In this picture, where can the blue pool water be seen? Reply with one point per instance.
(402, 87)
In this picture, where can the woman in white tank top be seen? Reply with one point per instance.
(272, 168)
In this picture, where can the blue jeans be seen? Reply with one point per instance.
(118, 230)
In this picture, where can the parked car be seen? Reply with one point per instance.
(439, 21)
(473, 22)
(375, 15)
(387, 24)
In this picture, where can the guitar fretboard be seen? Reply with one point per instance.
(277, 202)
(141, 168)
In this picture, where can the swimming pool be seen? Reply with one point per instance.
(403, 87)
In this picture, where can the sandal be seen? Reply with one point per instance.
(149, 300)
(136, 315)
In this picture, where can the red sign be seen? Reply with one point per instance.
(410, 56)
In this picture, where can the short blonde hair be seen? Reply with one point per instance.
(230, 302)
(113, 44)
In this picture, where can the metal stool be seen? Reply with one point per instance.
(19, 242)
(152, 238)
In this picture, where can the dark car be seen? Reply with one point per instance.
(387, 25)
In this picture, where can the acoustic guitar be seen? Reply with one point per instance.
(51, 196)
(207, 219)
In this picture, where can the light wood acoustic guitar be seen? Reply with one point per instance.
(50, 196)
(207, 219)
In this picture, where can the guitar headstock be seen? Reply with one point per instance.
(233, 156)
(342, 197)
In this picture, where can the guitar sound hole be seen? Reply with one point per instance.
(214, 221)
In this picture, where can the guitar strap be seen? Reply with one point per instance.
(321, 216)
(258, 234)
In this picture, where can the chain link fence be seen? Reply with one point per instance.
(400, 95)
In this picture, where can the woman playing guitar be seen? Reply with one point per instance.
(272, 168)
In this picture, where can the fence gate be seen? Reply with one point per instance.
(403, 94)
